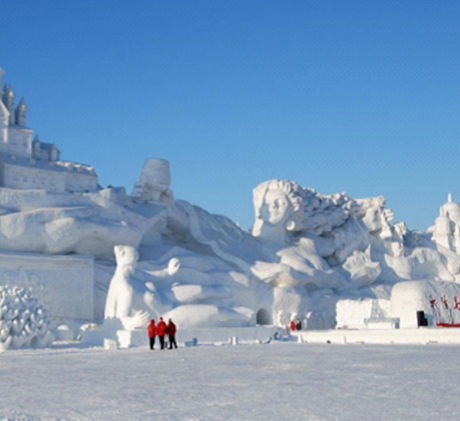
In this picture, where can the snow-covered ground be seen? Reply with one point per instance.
(277, 381)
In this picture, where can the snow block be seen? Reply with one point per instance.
(356, 314)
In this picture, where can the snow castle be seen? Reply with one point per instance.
(31, 164)
(331, 260)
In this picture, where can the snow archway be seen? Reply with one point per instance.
(263, 317)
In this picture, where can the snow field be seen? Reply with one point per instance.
(279, 381)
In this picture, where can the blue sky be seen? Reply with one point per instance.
(354, 96)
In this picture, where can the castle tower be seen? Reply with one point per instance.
(55, 153)
(21, 113)
(8, 100)
(442, 234)
(446, 230)
(452, 210)
(36, 147)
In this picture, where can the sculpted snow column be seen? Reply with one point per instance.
(154, 182)
(446, 232)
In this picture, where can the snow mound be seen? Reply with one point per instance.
(438, 300)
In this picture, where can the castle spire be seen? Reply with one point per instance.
(8, 100)
(21, 113)
(449, 197)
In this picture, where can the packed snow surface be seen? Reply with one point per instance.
(277, 381)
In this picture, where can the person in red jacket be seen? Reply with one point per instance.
(293, 327)
(171, 330)
(152, 330)
(161, 331)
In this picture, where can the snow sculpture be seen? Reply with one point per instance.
(27, 164)
(446, 231)
(50, 223)
(363, 271)
(283, 207)
(316, 230)
(119, 312)
(154, 182)
(130, 302)
(306, 252)
(23, 323)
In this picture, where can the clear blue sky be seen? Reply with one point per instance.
(354, 96)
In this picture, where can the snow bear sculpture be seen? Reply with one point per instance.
(119, 305)
(130, 302)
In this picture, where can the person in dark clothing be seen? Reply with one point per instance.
(298, 324)
(161, 330)
(152, 332)
(171, 331)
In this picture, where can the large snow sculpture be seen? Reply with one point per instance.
(23, 322)
(311, 232)
(45, 222)
(306, 250)
(305, 246)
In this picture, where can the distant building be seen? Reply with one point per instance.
(31, 164)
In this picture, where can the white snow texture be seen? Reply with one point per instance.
(305, 253)
(23, 323)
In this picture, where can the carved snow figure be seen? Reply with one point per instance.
(23, 323)
(154, 182)
(363, 271)
(44, 222)
(204, 292)
(376, 218)
(131, 302)
(290, 260)
(301, 242)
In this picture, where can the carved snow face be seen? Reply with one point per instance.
(126, 256)
(276, 207)
(373, 218)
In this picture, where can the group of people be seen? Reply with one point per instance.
(161, 330)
